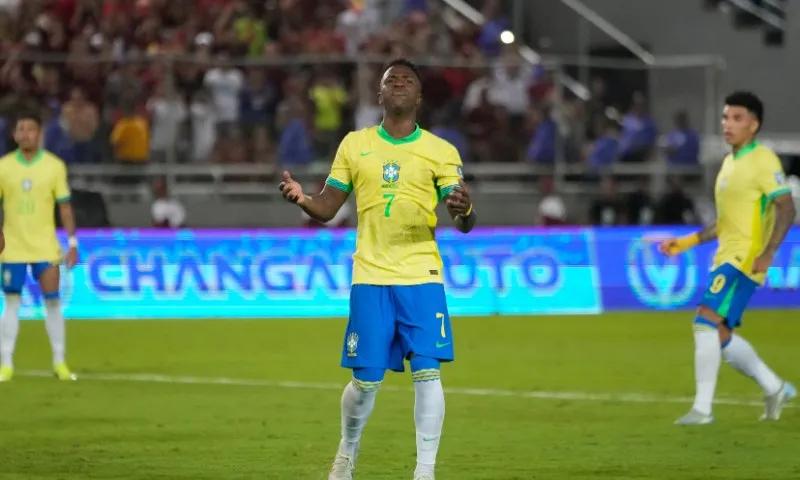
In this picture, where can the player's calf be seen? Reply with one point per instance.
(428, 413)
(358, 400)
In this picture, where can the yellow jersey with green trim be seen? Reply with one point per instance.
(29, 190)
(397, 184)
(746, 186)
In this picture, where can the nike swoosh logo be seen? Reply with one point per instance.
(364, 154)
(442, 345)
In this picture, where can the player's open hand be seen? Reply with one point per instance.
(762, 263)
(72, 257)
(291, 190)
(458, 201)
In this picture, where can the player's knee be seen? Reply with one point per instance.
(710, 315)
(368, 379)
(725, 335)
(424, 369)
(51, 297)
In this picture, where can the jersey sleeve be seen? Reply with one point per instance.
(340, 176)
(449, 172)
(61, 191)
(771, 179)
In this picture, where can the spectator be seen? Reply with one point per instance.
(368, 112)
(489, 37)
(123, 87)
(356, 24)
(204, 120)
(480, 124)
(683, 143)
(675, 207)
(596, 109)
(552, 210)
(542, 148)
(56, 139)
(607, 210)
(130, 138)
(638, 132)
(257, 101)
(329, 98)
(166, 211)
(510, 85)
(446, 124)
(294, 146)
(224, 82)
(167, 112)
(605, 150)
(80, 119)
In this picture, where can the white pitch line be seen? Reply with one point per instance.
(475, 392)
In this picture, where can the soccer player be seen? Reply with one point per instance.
(398, 173)
(32, 180)
(754, 212)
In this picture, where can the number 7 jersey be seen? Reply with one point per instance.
(397, 184)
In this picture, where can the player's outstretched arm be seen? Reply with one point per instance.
(676, 246)
(68, 221)
(784, 218)
(321, 207)
(459, 205)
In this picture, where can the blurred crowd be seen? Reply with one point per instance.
(136, 81)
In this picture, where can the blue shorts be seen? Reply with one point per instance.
(390, 323)
(15, 274)
(729, 290)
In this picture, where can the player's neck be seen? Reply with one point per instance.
(742, 145)
(399, 127)
(29, 154)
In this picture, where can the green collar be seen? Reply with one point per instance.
(399, 141)
(745, 150)
(21, 158)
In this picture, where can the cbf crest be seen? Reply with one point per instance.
(391, 172)
(27, 185)
(352, 344)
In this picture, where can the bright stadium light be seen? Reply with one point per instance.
(507, 37)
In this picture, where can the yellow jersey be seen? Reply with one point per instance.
(29, 191)
(397, 184)
(746, 185)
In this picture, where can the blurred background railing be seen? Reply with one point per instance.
(204, 107)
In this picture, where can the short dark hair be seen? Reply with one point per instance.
(28, 116)
(749, 101)
(402, 62)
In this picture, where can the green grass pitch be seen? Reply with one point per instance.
(557, 397)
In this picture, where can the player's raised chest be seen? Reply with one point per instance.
(392, 169)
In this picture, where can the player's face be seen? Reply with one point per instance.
(400, 90)
(739, 125)
(26, 134)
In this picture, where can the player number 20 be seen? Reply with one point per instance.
(390, 198)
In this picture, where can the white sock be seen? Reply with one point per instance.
(741, 356)
(9, 327)
(357, 406)
(54, 322)
(707, 358)
(428, 418)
